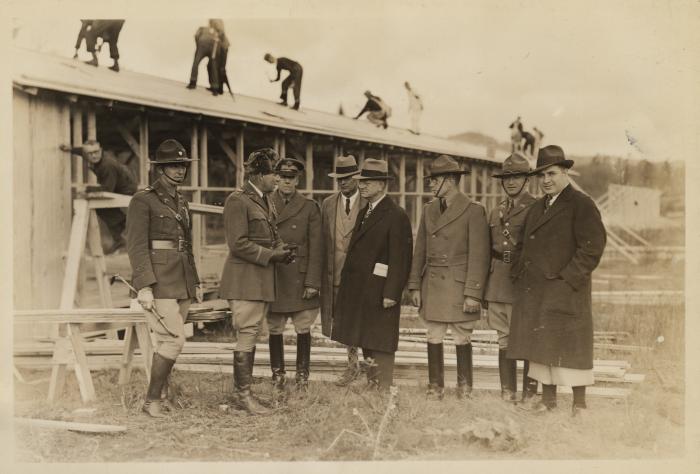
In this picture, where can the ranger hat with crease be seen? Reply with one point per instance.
(170, 152)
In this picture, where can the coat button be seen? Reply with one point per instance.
(434, 236)
(505, 242)
(507, 224)
(294, 226)
(532, 237)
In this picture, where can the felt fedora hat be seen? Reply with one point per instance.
(345, 166)
(445, 164)
(515, 165)
(551, 155)
(374, 169)
(171, 151)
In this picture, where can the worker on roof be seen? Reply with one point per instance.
(106, 30)
(415, 108)
(211, 42)
(378, 110)
(293, 80)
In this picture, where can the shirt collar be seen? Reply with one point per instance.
(260, 193)
(555, 196)
(353, 198)
(376, 203)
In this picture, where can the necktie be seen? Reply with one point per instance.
(369, 211)
(347, 206)
(547, 203)
(443, 205)
(509, 206)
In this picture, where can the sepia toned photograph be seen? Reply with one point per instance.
(389, 232)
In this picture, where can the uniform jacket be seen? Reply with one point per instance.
(298, 222)
(329, 209)
(499, 287)
(154, 215)
(451, 259)
(360, 318)
(552, 322)
(251, 235)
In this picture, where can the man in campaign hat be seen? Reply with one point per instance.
(159, 244)
(506, 223)
(298, 283)
(338, 215)
(448, 276)
(374, 275)
(552, 323)
(248, 277)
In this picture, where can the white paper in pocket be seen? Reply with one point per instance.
(380, 269)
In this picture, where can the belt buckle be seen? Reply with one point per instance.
(507, 255)
(180, 245)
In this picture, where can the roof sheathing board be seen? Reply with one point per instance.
(74, 77)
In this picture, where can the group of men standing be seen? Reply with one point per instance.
(529, 262)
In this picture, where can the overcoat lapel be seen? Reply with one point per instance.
(373, 218)
(437, 221)
(295, 205)
(253, 195)
(559, 205)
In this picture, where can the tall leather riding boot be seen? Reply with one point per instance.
(160, 369)
(506, 371)
(436, 371)
(465, 371)
(276, 344)
(529, 384)
(303, 360)
(165, 396)
(385, 368)
(242, 381)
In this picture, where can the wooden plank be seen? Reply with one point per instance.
(70, 425)
(309, 167)
(144, 165)
(75, 252)
(402, 181)
(228, 151)
(143, 335)
(59, 360)
(240, 158)
(95, 244)
(130, 344)
(91, 135)
(130, 140)
(82, 371)
(77, 140)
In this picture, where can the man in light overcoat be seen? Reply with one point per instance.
(338, 215)
(552, 321)
(448, 275)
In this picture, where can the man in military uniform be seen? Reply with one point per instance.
(299, 225)
(113, 177)
(211, 42)
(338, 215)
(248, 277)
(159, 243)
(506, 223)
(448, 275)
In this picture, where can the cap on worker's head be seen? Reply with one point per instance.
(261, 161)
(444, 165)
(551, 155)
(169, 152)
(515, 165)
(91, 145)
(344, 166)
(374, 169)
(269, 57)
(368, 93)
(289, 167)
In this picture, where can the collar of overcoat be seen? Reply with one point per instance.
(559, 205)
(376, 216)
(288, 210)
(525, 201)
(435, 221)
(255, 197)
(164, 196)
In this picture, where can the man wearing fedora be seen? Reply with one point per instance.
(552, 323)
(248, 277)
(506, 224)
(374, 275)
(338, 215)
(448, 275)
(298, 283)
(159, 244)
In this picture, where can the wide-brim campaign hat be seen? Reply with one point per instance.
(171, 151)
(515, 165)
(289, 167)
(551, 155)
(374, 169)
(345, 166)
(443, 165)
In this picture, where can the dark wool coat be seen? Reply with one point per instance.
(360, 319)
(298, 222)
(552, 323)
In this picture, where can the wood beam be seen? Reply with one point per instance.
(144, 165)
(240, 169)
(91, 135)
(309, 167)
(228, 151)
(129, 139)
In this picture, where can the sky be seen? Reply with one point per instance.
(616, 78)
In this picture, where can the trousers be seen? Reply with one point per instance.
(174, 313)
(248, 319)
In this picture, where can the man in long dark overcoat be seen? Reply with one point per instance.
(552, 323)
(298, 283)
(448, 275)
(339, 212)
(374, 275)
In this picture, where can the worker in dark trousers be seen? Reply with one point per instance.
(109, 31)
(113, 177)
(378, 110)
(292, 80)
(212, 43)
(85, 26)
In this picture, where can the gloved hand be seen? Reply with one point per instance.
(309, 293)
(280, 255)
(388, 303)
(145, 298)
(471, 305)
(415, 298)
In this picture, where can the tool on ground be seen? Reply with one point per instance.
(153, 311)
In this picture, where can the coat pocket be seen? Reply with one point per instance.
(459, 274)
(159, 257)
(560, 299)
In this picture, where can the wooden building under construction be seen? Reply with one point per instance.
(61, 101)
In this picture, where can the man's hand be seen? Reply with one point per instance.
(145, 298)
(65, 148)
(199, 293)
(388, 303)
(280, 255)
(471, 305)
(415, 298)
(309, 293)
